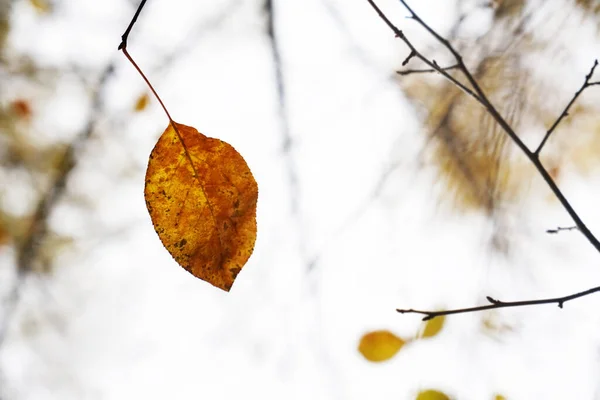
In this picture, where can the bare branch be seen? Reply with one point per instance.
(565, 113)
(125, 36)
(560, 229)
(478, 94)
(421, 57)
(494, 303)
(426, 70)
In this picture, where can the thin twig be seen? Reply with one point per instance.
(565, 113)
(125, 36)
(560, 229)
(417, 54)
(123, 48)
(559, 301)
(425, 70)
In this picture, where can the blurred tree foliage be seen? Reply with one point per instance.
(33, 171)
(35, 163)
(37, 159)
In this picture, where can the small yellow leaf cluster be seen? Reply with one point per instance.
(382, 345)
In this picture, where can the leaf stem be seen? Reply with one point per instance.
(124, 50)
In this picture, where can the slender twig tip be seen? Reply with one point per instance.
(411, 55)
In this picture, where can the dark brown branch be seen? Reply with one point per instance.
(123, 48)
(407, 59)
(559, 301)
(125, 36)
(425, 70)
(565, 113)
(417, 54)
(560, 229)
(478, 94)
(139, 70)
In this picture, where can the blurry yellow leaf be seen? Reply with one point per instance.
(380, 345)
(491, 324)
(432, 395)
(508, 8)
(141, 103)
(41, 6)
(201, 197)
(499, 397)
(433, 326)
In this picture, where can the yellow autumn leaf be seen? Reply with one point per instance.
(433, 326)
(499, 397)
(432, 395)
(380, 345)
(201, 197)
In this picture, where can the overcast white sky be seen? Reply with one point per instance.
(119, 319)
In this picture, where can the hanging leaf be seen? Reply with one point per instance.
(380, 345)
(433, 326)
(201, 197)
(432, 395)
